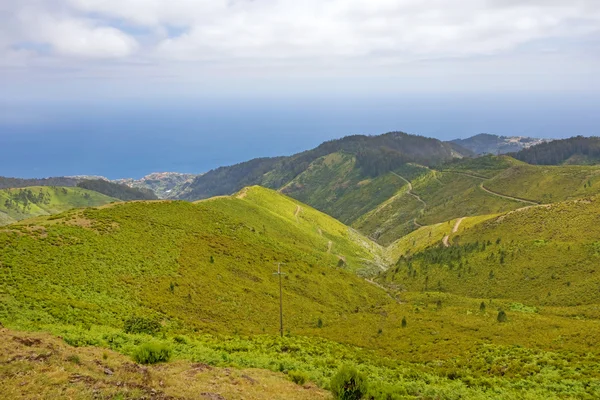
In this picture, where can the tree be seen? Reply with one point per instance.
(482, 306)
(502, 316)
(404, 323)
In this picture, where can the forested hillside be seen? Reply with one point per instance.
(8, 183)
(116, 190)
(374, 156)
(576, 150)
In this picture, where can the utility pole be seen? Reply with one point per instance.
(280, 297)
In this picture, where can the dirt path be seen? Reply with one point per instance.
(329, 246)
(507, 197)
(298, 209)
(372, 282)
(410, 192)
(446, 238)
(504, 196)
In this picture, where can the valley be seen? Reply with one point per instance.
(467, 277)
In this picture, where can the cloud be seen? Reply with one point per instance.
(309, 35)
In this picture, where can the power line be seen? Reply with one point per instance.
(280, 297)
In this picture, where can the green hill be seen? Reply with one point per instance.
(170, 258)
(196, 279)
(577, 150)
(22, 203)
(541, 255)
(372, 156)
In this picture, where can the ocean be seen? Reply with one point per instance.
(127, 138)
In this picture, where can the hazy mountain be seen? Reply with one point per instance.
(485, 143)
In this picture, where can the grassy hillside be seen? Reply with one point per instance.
(335, 186)
(204, 265)
(197, 279)
(22, 203)
(542, 255)
(547, 184)
(51, 369)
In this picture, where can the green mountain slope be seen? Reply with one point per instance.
(577, 150)
(22, 203)
(203, 265)
(116, 190)
(542, 255)
(373, 156)
(335, 186)
(197, 278)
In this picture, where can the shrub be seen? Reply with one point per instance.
(404, 323)
(348, 384)
(319, 323)
(141, 325)
(482, 306)
(502, 316)
(298, 377)
(152, 353)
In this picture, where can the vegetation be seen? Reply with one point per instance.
(547, 184)
(113, 271)
(541, 255)
(374, 155)
(152, 353)
(22, 203)
(122, 192)
(349, 384)
(11, 183)
(576, 150)
(494, 298)
(41, 366)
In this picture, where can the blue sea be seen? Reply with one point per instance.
(126, 138)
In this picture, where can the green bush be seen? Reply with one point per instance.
(298, 377)
(152, 353)
(141, 325)
(502, 316)
(348, 384)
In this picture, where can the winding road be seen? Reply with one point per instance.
(454, 230)
(504, 196)
(410, 188)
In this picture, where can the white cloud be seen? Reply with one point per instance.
(82, 38)
(307, 35)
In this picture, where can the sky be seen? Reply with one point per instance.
(282, 75)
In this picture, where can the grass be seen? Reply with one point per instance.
(203, 271)
(547, 184)
(545, 255)
(23, 203)
(333, 184)
(38, 365)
